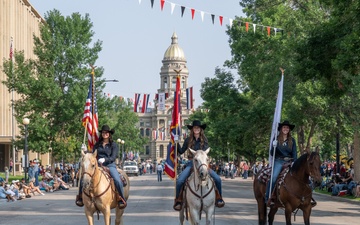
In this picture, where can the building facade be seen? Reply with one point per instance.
(155, 123)
(19, 21)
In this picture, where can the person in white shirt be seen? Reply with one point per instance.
(159, 170)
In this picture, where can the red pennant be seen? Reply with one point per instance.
(162, 4)
(268, 30)
(192, 13)
(247, 26)
(221, 20)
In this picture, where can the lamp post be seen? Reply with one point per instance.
(119, 142)
(26, 122)
(122, 151)
(114, 80)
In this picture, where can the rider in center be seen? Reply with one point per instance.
(107, 151)
(195, 141)
(285, 152)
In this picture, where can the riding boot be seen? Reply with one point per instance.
(313, 202)
(219, 202)
(121, 201)
(79, 201)
(178, 201)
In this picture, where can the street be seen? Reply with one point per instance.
(151, 203)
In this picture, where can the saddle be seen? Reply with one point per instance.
(265, 174)
(107, 172)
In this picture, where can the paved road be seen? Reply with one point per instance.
(151, 203)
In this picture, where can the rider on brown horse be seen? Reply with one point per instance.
(285, 152)
(196, 141)
(107, 151)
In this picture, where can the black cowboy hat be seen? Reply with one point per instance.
(196, 123)
(107, 128)
(286, 123)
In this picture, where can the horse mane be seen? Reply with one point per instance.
(299, 162)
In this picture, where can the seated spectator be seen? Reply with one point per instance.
(34, 188)
(44, 185)
(62, 184)
(25, 188)
(340, 184)
(47, 174)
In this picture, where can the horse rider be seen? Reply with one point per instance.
(285, 152)
(195, 141)
(107, 151)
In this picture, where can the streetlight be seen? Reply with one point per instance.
(114, 80)
(26, 122)
(119, 142)
(122, 151)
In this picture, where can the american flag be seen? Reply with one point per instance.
(90, 120)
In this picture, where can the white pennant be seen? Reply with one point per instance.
(172, 7)
(231, 22)
(254, 25)
(202, 16)
(139, 2)
(275, 30)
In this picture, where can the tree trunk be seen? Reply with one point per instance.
(356, 155)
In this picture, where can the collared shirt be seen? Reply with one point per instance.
(109, 152)
(197, 146)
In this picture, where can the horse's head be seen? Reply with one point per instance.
(89, 166)
(314, 164)
(201, 162)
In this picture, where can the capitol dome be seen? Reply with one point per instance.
(174, 52)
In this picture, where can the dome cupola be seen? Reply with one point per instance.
(174, 52)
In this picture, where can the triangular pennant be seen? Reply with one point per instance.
(212, 18)
(192, 13)
(139, 2)
(221, 20)
(162, 4)
(172, 5)
(268, 30)
(202, 16)
(247, 26)
(182, 10)
(152, 3)
(231, 22)
(254, 26)
(275, 30)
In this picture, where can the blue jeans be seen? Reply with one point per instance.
(115, 175)
(186, 173)
(337, 188)
(159, 176)
(278, 163)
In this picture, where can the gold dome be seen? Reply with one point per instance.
(174, 52)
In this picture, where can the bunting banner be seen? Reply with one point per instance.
(136, 103)
(90, 118)
(161, 101)
(145, 103)
(189, 98)
(155, 134)
(170, 164)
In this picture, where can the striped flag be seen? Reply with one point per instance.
(136, 103)
(170, 164)
(155, 134)
(90, 118)
(189, 98)
(145, 103)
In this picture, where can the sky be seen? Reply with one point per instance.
(136, 36)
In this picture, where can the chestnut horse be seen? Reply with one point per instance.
(294, 191)
(99, 192)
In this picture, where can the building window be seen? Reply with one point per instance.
(147, 148)
(162, 151)
(147, 124)
(142, 132)
(147, 132)
(141, 124)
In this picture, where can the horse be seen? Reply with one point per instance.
(199, 191)
(99, 192)
(293, 192)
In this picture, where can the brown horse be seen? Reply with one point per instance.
(294, 191)
(99, 192)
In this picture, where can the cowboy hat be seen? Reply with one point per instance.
(286, 123)
(196, 123)
(107, 128)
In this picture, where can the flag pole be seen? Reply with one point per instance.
(92, 102)
(277, 117)
(85, 131)
(176, 128)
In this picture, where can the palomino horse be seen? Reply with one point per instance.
(199, 193)
(293, 192)
(99, 192)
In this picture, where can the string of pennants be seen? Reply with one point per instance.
(232, 22)
(141, 103)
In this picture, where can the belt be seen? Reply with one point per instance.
(285, 158)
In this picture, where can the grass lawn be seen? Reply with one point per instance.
(11, 177)
(329, 193)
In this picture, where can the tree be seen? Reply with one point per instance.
(53, 87)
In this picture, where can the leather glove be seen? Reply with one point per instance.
(101, 160)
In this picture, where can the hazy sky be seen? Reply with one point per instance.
(136, 36)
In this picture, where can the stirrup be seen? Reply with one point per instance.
(177, 205)
(79, 201)
(219, 203)
(122, 204)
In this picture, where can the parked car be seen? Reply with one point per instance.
(131, 168)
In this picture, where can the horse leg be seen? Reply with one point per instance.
(181, 215)
(209, 214)
(262, 211)
(194, 217)
(272, 213)
(107, 218)
(89, 216)
(306, 215)
(288, 213)
(118, 216)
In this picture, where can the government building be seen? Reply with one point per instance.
(155, 123)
